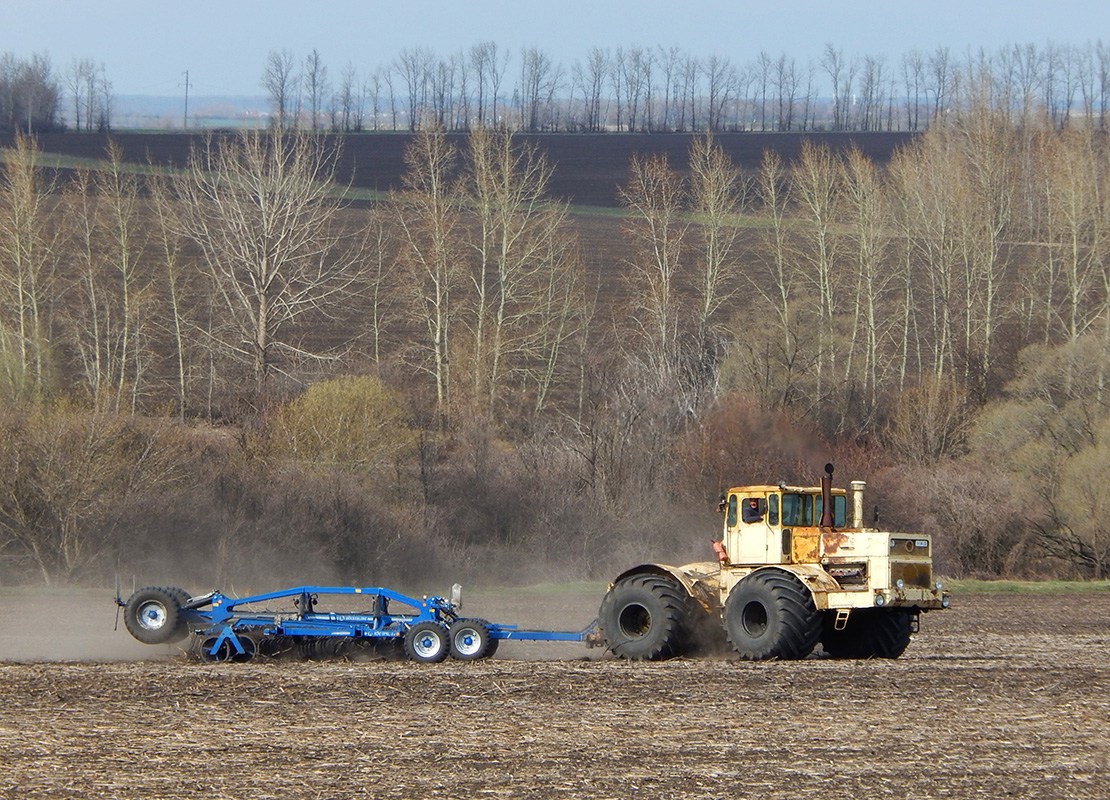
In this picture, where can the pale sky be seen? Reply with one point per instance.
(147, 46)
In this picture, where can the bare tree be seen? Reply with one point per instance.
(841, 74)
(111, 319)
(939, 80)
(786, 82)
(539, 80)
(279, 81)
(721, 78)
(176, 284)
(380, 280)
(489, 71)
(654, 196)
(669, 60)
(913, 86)
(717, 198)
(30, 246)
(314, 75)
(429, 218)
(263, 212)
(414, 65)
(815, 183)
(1076, 233)
(868, 222)
(524, 270)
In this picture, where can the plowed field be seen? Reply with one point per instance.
(1001, 696)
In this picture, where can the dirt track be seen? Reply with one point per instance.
(999, 697)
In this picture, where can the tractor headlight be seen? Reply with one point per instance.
(944, 601)
(899, 584)
(880, 599)
(938, 586)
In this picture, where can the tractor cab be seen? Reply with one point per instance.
(779, 524)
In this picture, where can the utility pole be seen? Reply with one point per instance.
(186, 85)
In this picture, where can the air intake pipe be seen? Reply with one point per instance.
(857, 503)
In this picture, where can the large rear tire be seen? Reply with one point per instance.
(870, 633)
(646, 618)
(153, 616)
(770, 614)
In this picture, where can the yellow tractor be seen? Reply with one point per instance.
(790, 573)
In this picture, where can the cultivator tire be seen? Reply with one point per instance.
(153, 615)
(870, 633)
(646, 618)
(427, 642)
(470, 639)
(770, 615)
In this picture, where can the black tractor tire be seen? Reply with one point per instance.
(427, 642)
(646, 618)
(153, 616)
(470, 639)
(870, 633)
(770, 615)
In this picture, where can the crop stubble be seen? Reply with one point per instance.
(1001, 696)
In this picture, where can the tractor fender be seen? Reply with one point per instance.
(812, 576)
(701, 580)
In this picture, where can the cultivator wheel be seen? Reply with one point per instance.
(250, 648)
(214, 651)
(427, 642)
(471, 639)
(153, 615)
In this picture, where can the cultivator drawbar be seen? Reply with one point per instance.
(237, 629)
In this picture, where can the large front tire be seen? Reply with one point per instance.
(645, 618)
(153, 616)
(770, 614)
(870, 633)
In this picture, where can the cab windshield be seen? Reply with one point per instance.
(804, 510)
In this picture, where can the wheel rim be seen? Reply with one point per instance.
(634, 620)
(427, 644)
(468, 642)
(152, 615)
(754, 618)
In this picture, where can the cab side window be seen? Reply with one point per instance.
(731, 519)
(753, 510)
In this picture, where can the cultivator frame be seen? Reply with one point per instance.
(237, 629)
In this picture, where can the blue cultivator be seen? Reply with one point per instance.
(236, 629)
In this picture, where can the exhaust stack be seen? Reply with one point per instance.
(826, 498)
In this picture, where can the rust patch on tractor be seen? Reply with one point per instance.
(803, 548)
(831, 542)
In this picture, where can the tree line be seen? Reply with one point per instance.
(667, 89)
(634, 88)
(445, 382)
